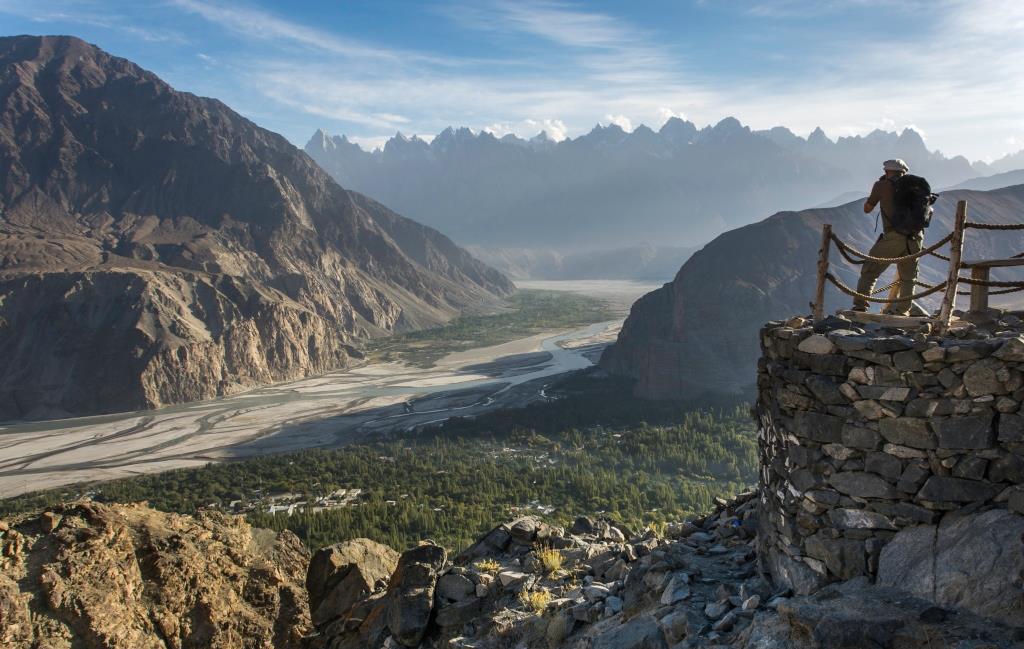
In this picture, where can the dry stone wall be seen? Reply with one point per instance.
(866, 434)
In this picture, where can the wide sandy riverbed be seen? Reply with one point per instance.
(323, 411)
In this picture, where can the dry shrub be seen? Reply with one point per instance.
(535, 601)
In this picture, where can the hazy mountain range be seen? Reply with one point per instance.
(698, 333)
(157, 247)
(609, 189)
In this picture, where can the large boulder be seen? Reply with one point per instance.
(639, 633)
(972, 562)
(342, 574)
(411, 593)
(855, 614)
(791, 573)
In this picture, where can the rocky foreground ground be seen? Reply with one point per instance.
(126, 576)
(89, 575)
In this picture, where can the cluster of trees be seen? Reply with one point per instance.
(595, 450)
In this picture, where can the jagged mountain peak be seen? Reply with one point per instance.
(678, 131)
(674, 122)
(730, 124)
(669, 181)
(910, 137)
(817, 136)
(321, 141)
(452, 137)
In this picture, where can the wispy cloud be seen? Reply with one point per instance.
(959, 79)
(265, 26)
(84, 12)
(557, 22)
(602, 68)
(563, 66)
(599, 46)
(253, 23)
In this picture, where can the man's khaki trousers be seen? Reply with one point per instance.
(891, 244)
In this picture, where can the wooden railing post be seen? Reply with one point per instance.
(956, 248)
(979, 292)
(819, 296)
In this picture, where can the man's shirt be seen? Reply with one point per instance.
(883, 193)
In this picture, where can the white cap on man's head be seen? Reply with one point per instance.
(895, 165)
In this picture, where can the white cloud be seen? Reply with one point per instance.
(528, 128)
(665, 114)
(369, 143)
(555, 128)
(620, 120)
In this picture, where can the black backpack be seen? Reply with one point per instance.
(912, 211)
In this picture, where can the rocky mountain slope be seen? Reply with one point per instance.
(87, 576)
(698, 333)
(119, 577)
(678, 186)
(156, 247)
(995, 181)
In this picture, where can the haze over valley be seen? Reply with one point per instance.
(541, 208)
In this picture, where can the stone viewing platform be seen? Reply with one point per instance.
(897, 455)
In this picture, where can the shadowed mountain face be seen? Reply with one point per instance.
(698, 333)
(156, 247)
(679, 186)
(995, 181)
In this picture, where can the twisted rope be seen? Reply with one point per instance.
(846, 255)
(999, 292)
(844, 248)
(994, 226)
(1019, 284)
(886, 288)
(849, 291)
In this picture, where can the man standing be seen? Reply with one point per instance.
(890, 244)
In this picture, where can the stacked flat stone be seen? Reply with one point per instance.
(863, 434)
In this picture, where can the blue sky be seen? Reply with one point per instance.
(950, 68)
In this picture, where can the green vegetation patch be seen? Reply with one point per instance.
(530, 312)
(595, 451)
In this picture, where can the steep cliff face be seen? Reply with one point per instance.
(698, 333)
(165, 248)
(129, 577)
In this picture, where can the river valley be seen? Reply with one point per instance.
(329, 410)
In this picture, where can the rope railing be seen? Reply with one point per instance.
(897, 282)
(994, 226)
(844, 248)
(849, 291)
(979, 282)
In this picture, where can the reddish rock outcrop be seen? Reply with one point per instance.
(128, 577)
